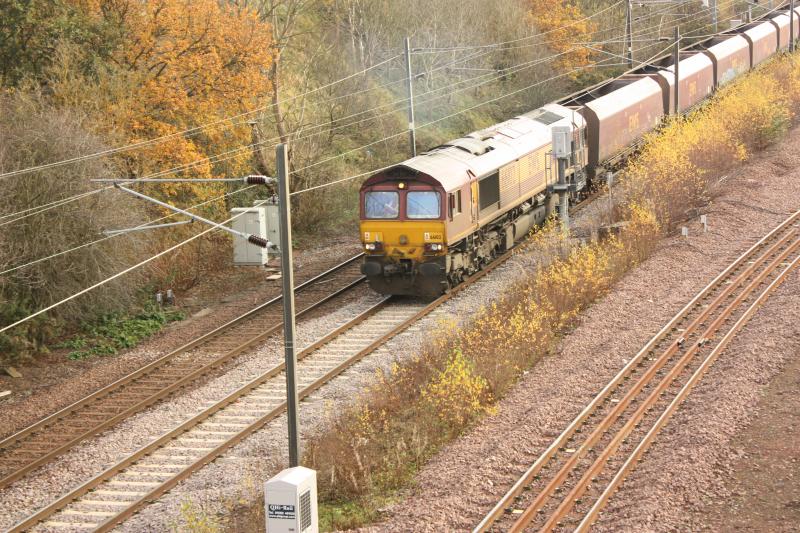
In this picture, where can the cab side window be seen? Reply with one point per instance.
(454, 204)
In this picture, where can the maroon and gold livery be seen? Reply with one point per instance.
(429, 221)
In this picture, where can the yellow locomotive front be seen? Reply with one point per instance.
(403, 233)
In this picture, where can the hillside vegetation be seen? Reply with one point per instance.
(204, 89)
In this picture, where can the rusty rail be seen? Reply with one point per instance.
(274, 374)
(15, 449)
(781, 235)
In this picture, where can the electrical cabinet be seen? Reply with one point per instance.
(291, 501)
(252, 220)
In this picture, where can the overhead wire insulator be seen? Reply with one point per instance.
(258, 241)
(258, 180)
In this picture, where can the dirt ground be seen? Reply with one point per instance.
(764, 488)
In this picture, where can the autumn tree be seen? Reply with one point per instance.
(179, 65)
(563, 24)
(31, 31)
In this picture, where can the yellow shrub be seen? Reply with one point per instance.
(674, 169)
(457, 394)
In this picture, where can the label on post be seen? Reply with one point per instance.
(281, 512)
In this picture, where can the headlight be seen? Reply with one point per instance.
(434, 247)
(373, 246)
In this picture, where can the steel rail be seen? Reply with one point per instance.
(180, 383)
(148, 450)
(647, 378)
(182, 428)
(568, 502)
(698, 374)
(528, 476)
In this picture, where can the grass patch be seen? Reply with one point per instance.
(114, 332)
(347, 514)
(374, 449)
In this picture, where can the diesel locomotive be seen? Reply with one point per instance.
(428, 222)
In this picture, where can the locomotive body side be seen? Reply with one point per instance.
(492, 188)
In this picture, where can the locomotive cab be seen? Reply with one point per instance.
(403, 233)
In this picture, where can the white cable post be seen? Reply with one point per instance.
(629, 32)
(714, 15)
(676, 60)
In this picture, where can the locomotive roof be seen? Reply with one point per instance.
(482, 152)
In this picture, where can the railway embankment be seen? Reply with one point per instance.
(373, 451)
(463, 368)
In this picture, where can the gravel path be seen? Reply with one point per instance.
(760, 489)
(467, 477)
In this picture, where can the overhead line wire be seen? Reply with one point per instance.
(208, 230)
(505, 73)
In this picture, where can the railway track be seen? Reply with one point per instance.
(569, 484)
(40, 443)
(111, 497)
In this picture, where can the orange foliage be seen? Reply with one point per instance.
(563, 24)
(188, 62)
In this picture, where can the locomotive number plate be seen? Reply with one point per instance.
(430, 236)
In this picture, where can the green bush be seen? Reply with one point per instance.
(115, 331)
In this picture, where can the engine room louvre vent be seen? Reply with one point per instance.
(544, 116)
(305, 510)
(468, 144)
